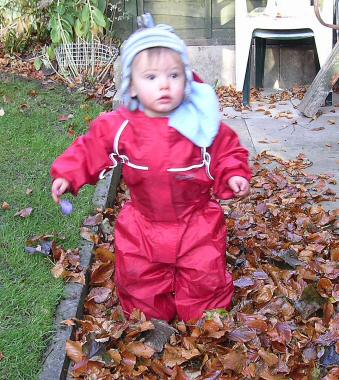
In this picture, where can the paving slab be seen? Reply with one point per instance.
(240, 127)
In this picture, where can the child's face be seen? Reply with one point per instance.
(158, 80)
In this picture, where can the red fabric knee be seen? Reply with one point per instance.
(145, 286)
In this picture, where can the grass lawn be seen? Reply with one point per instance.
(31, 137)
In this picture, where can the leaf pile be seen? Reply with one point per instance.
(283, 252)
(230, 97)
(66, 262)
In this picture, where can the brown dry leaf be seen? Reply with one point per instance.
(128, 359)
(264, 294)
(268, 357)
(179, 374)
(5, 206)
(335, 254)
(317, 129)
(29, 191)
(93, 220)
(242, 334)
(99, 294)
(333, 374)
(58, 270)
(328, 313)
(102, 273)
(331, 121)
(25, 212)
(68, 322)
(175, 355)
(115, 356)
(77, 277)
(325, 287)
(65, 117)
(1, 356)
(140, 349)
(105, 255)
(89, 235)
(74, 350)
(233, 360)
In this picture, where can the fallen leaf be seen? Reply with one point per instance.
(140, 349)
(242, 334)
(24, 213)
(5, 206)
(269, 358)
(65, 117)
(93, 220)
(74, 351)
(233, 360)
(99, 294)
(102, 273)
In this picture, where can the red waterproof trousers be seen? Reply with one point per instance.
(171, 237)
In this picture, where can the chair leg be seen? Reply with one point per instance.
(260, 52)
(329, 99)
(247, 83)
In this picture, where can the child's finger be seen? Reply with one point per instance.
(55, 197)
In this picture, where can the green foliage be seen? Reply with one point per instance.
(84, 19)
(22, 23)
(31, 138)
(25, 22)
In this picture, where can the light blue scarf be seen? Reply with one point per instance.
(198, 117)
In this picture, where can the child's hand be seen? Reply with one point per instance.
(239, 186)
(59, 186)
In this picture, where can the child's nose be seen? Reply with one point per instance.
(164, 82)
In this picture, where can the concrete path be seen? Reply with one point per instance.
(283, 131)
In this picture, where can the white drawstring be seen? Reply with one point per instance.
(206, 158)
(206, 161)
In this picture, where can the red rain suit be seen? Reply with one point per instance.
(171, 237)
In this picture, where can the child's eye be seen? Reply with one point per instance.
(174, 75)
(150, 76)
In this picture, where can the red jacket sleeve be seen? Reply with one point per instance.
(84, 160)
(228, 159)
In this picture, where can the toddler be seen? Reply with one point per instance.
(170, 238)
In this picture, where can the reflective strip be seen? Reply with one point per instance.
(117, 137)
(103, 172)
(206, 161)
(136, 166)
(124, 159)
(206, 157)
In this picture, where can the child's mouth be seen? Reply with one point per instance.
(164, 99)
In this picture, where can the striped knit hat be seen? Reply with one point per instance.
(148, 36)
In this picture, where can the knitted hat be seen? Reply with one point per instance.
(148, 36)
